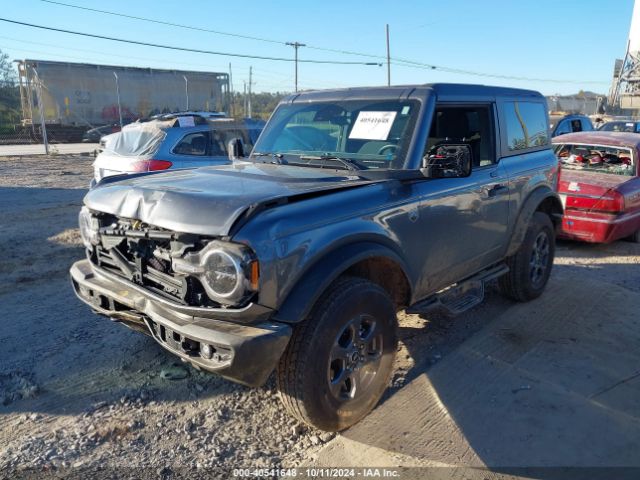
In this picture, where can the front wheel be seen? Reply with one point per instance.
(339, 360)
(530, 266)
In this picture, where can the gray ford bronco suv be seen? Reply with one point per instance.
(353, 204)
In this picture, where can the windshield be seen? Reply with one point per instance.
(621, 127)
(597, 158)
(365, 134)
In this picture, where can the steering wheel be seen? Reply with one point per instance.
(384, 148)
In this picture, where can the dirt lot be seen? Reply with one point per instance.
(77, 390)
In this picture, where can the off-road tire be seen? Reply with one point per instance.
(304, 371)
(517, 284)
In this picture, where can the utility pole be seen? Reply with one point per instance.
(244, 103)
(43, 125)
(118, 97)
(186, 90)
(250, 83)
(296, 45)
(231, 102)
(388, 59)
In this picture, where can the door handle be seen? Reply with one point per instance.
(495, 190)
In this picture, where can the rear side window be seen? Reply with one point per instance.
(576, 125)
(587, 126)
(563, 127)
(193, 144)
(218, 143)
(526, 125)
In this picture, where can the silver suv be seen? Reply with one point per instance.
(353, 204)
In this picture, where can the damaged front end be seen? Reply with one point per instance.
(195, 295)
(186, 268)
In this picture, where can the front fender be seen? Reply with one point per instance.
(298, 303)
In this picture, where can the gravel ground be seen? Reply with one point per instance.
(77, 390)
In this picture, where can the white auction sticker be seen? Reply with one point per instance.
(186, 121)
(372, 125)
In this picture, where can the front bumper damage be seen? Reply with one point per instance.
(243, 345)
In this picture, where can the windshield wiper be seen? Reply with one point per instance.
(346, 162)
(275, 157)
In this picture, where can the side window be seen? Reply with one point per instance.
(218, 143)
(563, 127)
(472, 125)
(526, 125)
(193, 144)
(576, 125)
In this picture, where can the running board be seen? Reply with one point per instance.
(461, 296)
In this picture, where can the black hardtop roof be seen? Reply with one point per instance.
(442, 90)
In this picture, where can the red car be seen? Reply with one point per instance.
(599, 185)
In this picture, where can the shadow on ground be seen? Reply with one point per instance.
(555, 382)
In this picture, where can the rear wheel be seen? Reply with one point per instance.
(339, 360)
(530, 266)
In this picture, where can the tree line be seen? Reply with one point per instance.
(262, 104)
(9, 95)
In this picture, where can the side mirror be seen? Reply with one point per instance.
(235, 147)
(447, 161)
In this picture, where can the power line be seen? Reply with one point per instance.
(129, 57)
(269, 75)
(161, 22)
(183, 49)
(395, 61)
(207, 30)
(425, 66)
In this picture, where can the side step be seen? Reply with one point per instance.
(461, 296)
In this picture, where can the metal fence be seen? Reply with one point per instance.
(22, 137)
(27, 136)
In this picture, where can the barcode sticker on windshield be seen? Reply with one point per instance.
(372, 125)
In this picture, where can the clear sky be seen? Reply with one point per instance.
(575, 41)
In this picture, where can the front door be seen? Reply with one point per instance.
(462, 222)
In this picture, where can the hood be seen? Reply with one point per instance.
(209, 200)
(576, 182)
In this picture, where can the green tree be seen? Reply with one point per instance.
(9, 95)
(262, 104)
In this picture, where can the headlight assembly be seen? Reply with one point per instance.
(222, 272)
(88, 228)
(227, 271)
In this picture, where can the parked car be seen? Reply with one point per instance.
(353, 204)
(95, 134)
(170, 142)
(620, 126)
(189, 113)
(599, 186)
(562, 124)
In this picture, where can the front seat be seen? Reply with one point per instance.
(452, 126)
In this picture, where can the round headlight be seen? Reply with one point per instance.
(223, 273)
(87, 232)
